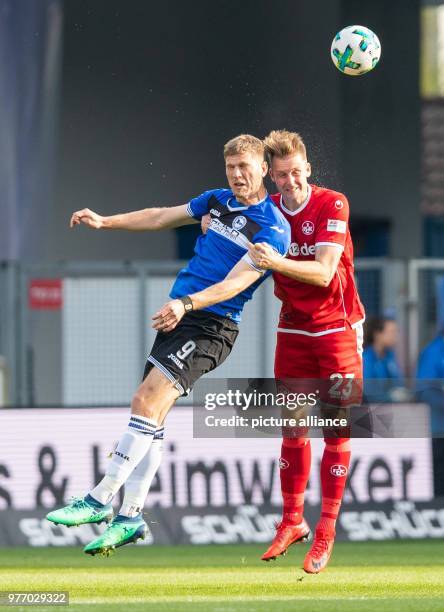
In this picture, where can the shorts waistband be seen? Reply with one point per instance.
(206, 314)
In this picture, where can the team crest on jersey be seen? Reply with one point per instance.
(307, 228)
(339, 204)
(239, 222)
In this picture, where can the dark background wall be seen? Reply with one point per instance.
(380, 116)
(30, 60)
(151, 91)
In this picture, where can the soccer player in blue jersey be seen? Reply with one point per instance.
(196, 328)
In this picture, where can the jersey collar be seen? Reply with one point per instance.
(242, 206)
(301, 207)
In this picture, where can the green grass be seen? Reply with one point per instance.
(361, 576)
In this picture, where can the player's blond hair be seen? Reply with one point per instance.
(244, 143)
(281, 143)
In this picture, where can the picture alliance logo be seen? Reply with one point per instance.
(305, 250)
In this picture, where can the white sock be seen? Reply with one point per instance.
(132, 447)
(139, 481)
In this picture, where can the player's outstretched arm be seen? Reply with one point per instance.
(318, 272)
(139, 220)
(239, 278)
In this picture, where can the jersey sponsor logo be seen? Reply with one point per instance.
(339, 204)
(294, 249)
(215, 212)
(228, 232)
(239, 222)
(283, 463)
(338, 470)
(306, 250)
(307, 228)
(336, 225)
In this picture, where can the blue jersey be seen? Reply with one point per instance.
(233, 226)
(381, 375)
(385, 367)
(430, 381)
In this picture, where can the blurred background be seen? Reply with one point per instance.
(117, 106)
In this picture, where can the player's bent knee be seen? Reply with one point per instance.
(141, 405)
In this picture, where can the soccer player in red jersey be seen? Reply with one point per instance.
(319, 335)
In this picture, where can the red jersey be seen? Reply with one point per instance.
(308, 309)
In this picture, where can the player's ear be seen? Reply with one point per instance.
(308, 169)
(264, 168)
(270, 172)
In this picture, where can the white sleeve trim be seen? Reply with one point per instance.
(249, 261)
(189, 211)
(334, 244)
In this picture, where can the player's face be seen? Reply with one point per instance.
(290, 175)
(245, 174)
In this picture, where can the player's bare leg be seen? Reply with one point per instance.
(150, 404)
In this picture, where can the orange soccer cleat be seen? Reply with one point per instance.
(320, 552)
(286, 535)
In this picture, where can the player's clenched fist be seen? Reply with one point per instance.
(168, 316)
(88, 217)
(264, 256)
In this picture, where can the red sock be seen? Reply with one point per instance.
(334, 470)
(294, 466)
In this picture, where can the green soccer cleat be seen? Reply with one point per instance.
(122, 530)
(81, 510)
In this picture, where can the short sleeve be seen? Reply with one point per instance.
(332, 226)
(198, 207)
(277, 236)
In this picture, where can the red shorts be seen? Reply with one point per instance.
(334, 359)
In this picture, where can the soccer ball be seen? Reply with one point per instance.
(355, 50)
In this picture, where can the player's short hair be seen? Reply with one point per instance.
(281, 143)
(373, 326)
(244, 143)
